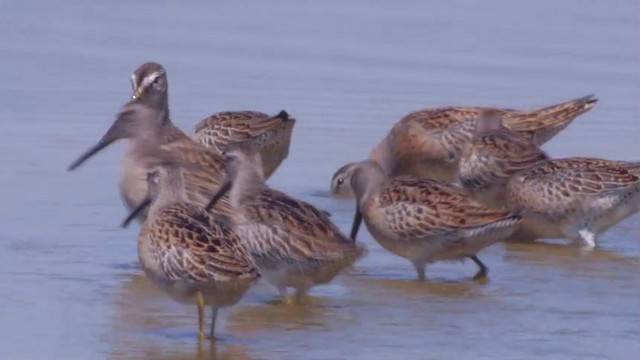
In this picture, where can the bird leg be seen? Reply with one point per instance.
(420, 269)
(286, 299)
(214, 317)
(200, 304)
(300, 294)
(481, 275)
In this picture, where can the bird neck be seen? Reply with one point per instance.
(169, 132)
(247, 183)
(382, 154)
(366, 181)
(172, 190)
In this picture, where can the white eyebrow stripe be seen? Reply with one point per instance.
(134, 81)
(150, 78)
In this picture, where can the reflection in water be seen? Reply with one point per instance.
(313, 314)
(414, 288)
(561, 254)
(148, 325)
(172, 351)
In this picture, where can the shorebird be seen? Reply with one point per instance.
(429, 143)
(425, 221)
(145, 119)
(293, 243)
(574, 198)
(192, 255)
(341, 180)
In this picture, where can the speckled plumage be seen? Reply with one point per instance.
(146, 120)
(429, 143)
(188, 244)
(192, 255)
(575, 198)
(493, 156)
(425, 221)
(221, 129)
(293, 243)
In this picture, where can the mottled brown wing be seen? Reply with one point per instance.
(294, 229)
(220, 129)
(259, 125)
(543, 124)
(419, 208)
(631, 166)
(565, 184)
(224, 128)
(594, 175)
(434, 137)
(193, 245)
(494, 159)
(442, 118)
(272, 133)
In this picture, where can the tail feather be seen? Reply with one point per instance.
(284, 115)
(582, 102)
(260, 126)
(564, 113)
(543, 124)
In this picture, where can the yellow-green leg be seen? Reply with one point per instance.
(200, 304)
(286, 298)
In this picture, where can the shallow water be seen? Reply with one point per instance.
(70, 287)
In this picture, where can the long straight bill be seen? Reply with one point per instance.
(143, 205)
(357, 220)
(223, 190)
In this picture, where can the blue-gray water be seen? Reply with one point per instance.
(70, 287)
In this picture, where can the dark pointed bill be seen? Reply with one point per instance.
(283, 115)
(143, 205)
(223, 190)
(357, 220)
(89, 153)
(114, 133)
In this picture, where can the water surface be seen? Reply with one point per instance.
(70, 287)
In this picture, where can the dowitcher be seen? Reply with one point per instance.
(145, 119)
(429, 143)
(340, 182)
(425, 221)
(575, 198)
(493, 156)
(222, 129)
(294, 244)
(192, 255)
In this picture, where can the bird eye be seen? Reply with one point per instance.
(340, 181)
(153, 176)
